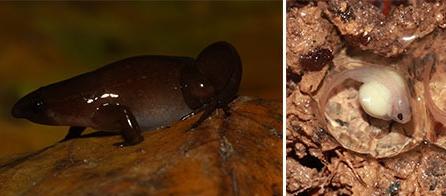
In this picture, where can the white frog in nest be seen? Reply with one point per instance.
(386, 116)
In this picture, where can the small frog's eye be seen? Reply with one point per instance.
(400, 116)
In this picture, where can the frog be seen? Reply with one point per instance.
(138, 93)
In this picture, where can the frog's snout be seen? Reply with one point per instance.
(17, 111)
(21, 109)
(28, 107)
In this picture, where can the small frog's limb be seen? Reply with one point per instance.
(208, 110)
(74, 132)
(118, 117)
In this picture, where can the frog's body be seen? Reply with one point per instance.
(137, 93)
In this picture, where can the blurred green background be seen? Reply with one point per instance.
(42, 43)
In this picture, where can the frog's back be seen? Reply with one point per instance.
(148, 85)
(153, 93)
(121, 72)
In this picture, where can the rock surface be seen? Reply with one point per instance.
(237, 155)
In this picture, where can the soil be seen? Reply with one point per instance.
(393, 33)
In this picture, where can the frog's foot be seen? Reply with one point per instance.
(208, 111)
(74, 132)
(130, 141)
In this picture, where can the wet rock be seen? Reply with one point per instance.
(239, 155)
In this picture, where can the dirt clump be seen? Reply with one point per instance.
(399, 34)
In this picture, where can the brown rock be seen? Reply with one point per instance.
(239, 155)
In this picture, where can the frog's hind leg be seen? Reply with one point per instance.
(74, 132)
(119, 117)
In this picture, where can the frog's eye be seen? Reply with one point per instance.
(195, 87)
(220, 63)
(30, 105)
(400, 116)
(38, 105)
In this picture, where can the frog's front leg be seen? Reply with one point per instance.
(208, 110)
(74, 132)
(119, 117)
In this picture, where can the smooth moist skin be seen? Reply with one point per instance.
(375, 99)
(142, 92)
(383, 93)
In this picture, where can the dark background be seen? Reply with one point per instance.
(41, 43)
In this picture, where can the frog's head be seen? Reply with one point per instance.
(215, 75)
(33, 107)
(401, 110)
(220, 63)
(197, 89)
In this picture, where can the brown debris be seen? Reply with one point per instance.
(238, 155)
(316, 59)
(311, 39)
(311, 80)
(364, 25)
(299, 105)
(370, 31)
(306, 179)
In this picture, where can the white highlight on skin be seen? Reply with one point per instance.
(109, 95)
(103, 96)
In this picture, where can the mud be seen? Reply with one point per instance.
(323, 159)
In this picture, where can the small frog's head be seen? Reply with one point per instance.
(220, 63)
(401, 112)
(34, 108)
